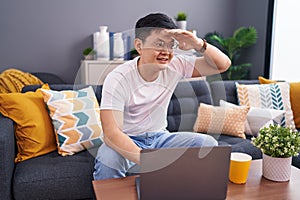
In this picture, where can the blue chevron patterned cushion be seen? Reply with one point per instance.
(76, 119)
(273, 96)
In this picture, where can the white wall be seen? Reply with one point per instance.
(285, 62)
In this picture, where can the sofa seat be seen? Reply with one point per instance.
(239, 145)
(54, 176)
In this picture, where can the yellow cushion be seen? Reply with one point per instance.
(34, 131)
(216, 120)
(294, 97)
(263, 80)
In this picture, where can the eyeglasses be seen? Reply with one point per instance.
(162, 45)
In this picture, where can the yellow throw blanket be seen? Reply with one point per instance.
(13, 80)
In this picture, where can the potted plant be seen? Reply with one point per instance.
(232, 46)
(181, 20)
(278, 145)
(88, 53)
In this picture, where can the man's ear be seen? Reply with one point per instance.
(138, 45)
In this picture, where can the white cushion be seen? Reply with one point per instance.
(258, 118)
(272, 96)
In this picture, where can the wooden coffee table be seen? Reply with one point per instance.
(256, 187)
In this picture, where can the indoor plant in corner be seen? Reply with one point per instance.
(278, 144)
(233, 46)
(181, 20)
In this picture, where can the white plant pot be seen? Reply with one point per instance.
(89, 57)
(277, 169)
(181, 24)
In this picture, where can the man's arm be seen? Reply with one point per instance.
(112, 122)
(213, 61)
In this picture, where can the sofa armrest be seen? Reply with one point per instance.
(7, 156)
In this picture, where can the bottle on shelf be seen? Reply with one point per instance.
(103, 44)
(118, 49)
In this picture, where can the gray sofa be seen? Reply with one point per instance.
(52, 176)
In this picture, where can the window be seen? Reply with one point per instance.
(285, 50)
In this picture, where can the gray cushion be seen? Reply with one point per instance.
(48, 78)
(182, 110)
(55, 176)
(226, 90)
(296, 161)
(7, 156)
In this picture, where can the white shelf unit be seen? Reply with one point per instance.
(93, 72)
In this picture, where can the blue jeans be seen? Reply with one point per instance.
(110, 164)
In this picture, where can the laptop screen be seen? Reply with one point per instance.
(184, 173)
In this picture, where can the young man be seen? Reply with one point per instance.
(136, 95)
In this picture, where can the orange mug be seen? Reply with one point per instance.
(239, 167)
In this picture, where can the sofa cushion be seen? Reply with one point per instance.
(221, 120)
(294, 97)
(55, 176)
(258, 118)
(76, 118)
(58, 87)
(34, 137)
(273, 96)
(226, 90)
(296, 161)
(49, 78)
(182, 110)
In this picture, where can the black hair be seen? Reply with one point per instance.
(154, 21)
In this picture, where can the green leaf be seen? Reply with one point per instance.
(88, 51)
(242, 38)
(238, 72)
(181, 16)
(278, 141)
(245, 37)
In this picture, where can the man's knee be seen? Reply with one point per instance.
(102, 171)
(109, 163)
(201, 140)
(210, 141)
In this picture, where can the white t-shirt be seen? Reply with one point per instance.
(143, 103)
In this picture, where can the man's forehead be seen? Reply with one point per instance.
(162, 34)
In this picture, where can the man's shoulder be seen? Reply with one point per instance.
(126, 66)
(121, 74)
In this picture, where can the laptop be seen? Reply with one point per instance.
(184, 173)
